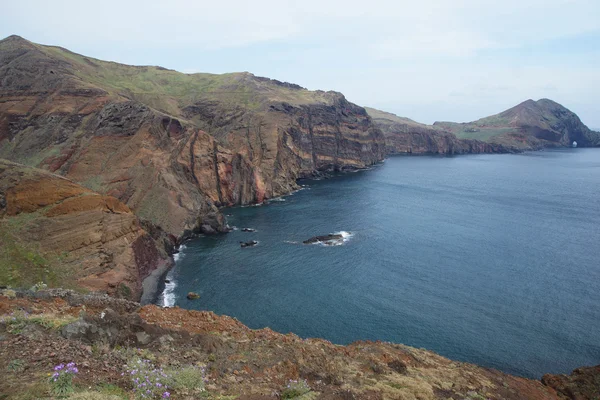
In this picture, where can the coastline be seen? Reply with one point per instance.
(153, 285)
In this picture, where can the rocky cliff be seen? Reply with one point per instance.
(530, 125)
(102, 335)
(172, 147)
(56, 231)
(405, 136)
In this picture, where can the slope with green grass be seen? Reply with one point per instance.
(173, 146)
(529, 125)
(405, 136)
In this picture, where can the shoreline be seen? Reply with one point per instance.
(153, 285)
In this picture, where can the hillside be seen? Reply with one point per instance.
(204, 355)
(529, 125)
(173, 147)
(55, 231)
(405, 136)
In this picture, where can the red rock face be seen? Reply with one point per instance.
(173, 168)
(95, 238)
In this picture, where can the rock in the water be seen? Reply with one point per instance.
(248, 230)
(193, 296)
(167, 281)
(327, 239)
(249, 244)
(207, 229)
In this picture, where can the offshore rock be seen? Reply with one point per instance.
(327, 239)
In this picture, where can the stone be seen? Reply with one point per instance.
(193, 296)
(143, 338)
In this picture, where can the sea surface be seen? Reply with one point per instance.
(489, 259)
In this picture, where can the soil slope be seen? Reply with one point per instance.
(102, 334)
(56, 231)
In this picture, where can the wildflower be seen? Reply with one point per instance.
(166, 395)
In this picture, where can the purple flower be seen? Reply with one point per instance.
(59, 367)
(166, 395)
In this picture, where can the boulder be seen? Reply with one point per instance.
(193, 296)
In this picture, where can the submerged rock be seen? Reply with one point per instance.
(248, 230)
(248, 244)
(327, 239)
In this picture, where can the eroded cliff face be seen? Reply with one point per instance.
(404, 139)
(173, 156)
(405, 136)
(60, 228)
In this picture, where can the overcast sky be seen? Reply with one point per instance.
(428, 60)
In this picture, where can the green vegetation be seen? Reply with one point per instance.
(295, 389)
(15, 366)
(169, 91)
(124, 291)
(187, 380)
(61, 381)
(485, 134)
(23, 265)
(17, 321)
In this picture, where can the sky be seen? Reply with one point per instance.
(429, 60)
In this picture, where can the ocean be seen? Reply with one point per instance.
(488, 259)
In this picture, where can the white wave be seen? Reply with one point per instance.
(168, 296)
(179, 255)
(277, 199)
(290, 241)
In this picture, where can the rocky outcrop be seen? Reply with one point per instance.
(583, 383)
(75, 235)
(173, 147)
(405, 136)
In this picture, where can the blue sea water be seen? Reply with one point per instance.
(490, 259)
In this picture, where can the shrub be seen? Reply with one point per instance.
(295, 388)
(148, 381)
(124, 291)
(16, 365)
(187, 380)
(62, 379)
(38, 286)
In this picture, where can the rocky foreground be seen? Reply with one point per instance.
(101, 335)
